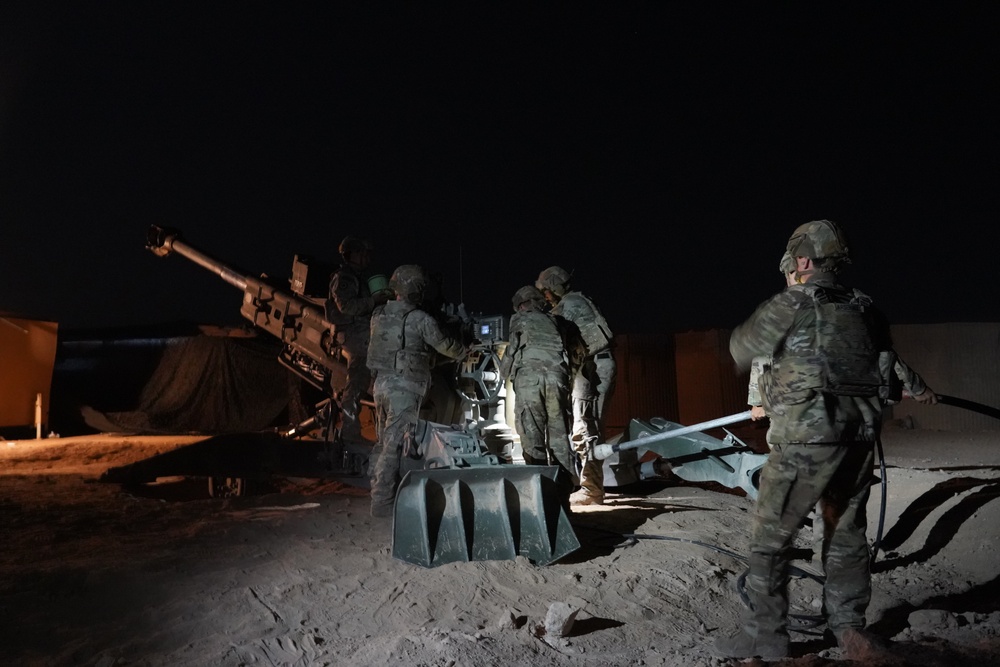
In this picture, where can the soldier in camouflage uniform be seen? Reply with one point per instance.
(538, 361)
(822, 395)
(349, 308)
(905, 377)
(592, 383)
(901, 374)
(404, 342)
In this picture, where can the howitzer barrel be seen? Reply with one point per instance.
(163, 241)
(310, 349)
(602, 452)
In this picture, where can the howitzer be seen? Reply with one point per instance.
(309, 348)
(457, 502)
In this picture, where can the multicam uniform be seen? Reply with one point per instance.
(821, 394)
(538, 363)
(349, 309)
(592, 385)
(404, 341)
(757, 366)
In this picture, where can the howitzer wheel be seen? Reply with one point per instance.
(478, 377)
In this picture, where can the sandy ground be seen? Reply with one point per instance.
(94, 573)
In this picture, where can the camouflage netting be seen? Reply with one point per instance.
(214, 385)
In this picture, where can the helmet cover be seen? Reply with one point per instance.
(354, 244)
(531, 295)
(555, 279)
(409, 281)
(822, 241)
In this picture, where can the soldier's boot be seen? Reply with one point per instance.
(591, 490)
(861, 645)
(384, 480)
(742, 645)
(765, 630)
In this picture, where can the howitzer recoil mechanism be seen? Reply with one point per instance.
(309, 346)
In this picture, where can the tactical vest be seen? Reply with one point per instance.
(391, 349)
(842, 359)
(584, 314)
(541, 340)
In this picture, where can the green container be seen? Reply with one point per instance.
(378, 283)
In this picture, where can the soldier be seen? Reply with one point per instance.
(904, 376)
(592, 383)
(538, 360)
(349, 309)
(821, 393)
(404, 342)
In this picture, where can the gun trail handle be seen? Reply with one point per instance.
(604, 451)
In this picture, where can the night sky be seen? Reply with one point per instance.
(663, 151)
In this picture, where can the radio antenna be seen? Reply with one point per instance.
(461, 277)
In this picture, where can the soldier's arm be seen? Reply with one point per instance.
(914, 384)
(762, 334)
(576, 348)
(433, 335)
(507, 362)
(345, 292)
(753, 389)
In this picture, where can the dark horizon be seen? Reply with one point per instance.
(663, 153)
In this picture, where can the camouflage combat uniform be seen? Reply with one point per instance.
(349, 309)
(537, 361)
(592, 385)
(757, 367)
(404, 341)
(821, 393)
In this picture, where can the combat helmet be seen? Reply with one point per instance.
(409, 281)
(528, 294)
(555, 279)
(354, 244)
(823, 241)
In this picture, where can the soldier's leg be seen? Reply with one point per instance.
(846, 554)
(530, 418)
(592, 475)
(557, 407)
(584, 439)
(607, 377)
(586, 434)
(359, 378)
(402, 411)
(381, 415)
(791, 482)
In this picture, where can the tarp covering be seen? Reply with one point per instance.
(211, 385)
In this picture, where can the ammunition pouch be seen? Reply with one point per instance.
(413, 364)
